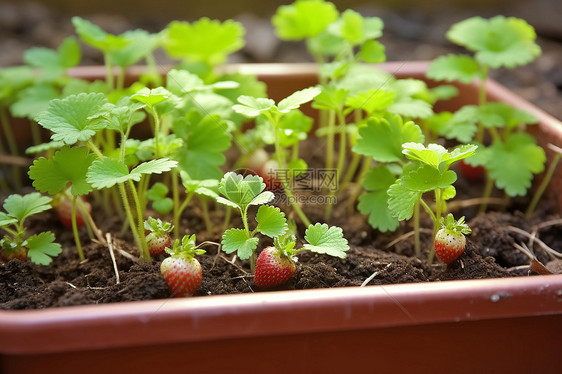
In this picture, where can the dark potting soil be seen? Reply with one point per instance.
(490, 253)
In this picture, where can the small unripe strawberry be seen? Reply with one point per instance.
(273, 268)
(158, 238)
(182, 271)
(450, 240)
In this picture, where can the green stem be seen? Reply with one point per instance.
(75, 230)
(144, 254)
(427, 209)
(365, 167)
(481, 102)
(354, 164)
(156, 133)
(129, 214)
(417, 245)
(12, 146)
(487, 193)
(340, 164)
(178, 212)
(227, 217)
(206, 215)
(330, 140)
(283, 176)
(542, 187)
(436, 221)
(95, 149)
(35, 133)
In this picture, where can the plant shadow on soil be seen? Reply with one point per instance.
(490, 253)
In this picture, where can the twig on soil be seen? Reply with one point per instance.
(110, 246)
(552, 222)
(240, 268)
(404, 237)
(535, 265)
(454, 205)
(71, 285)
(372, 276)
(534, 239)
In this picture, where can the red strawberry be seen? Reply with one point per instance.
(158, 237)
(64, 211)
(450, 240)
(273, 268)
(181, 270)
(472, 173)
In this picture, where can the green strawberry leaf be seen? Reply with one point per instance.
(20, 207)
(252, 107)
(382, 138)
(402, 200)
(33, 100)
(296, 99)
(41, 248)
(199, 157)
(374, 203)
(303, 19)
(498, 42)
(6, 220)
(68, 165)
(237, 240)
(205, 40)
(326, 240)
(108, 172)
(68, 118)
(271, 221)
(455, 68)
(513, 163)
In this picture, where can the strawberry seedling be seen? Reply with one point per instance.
(241, 193)
(276, 264)
(428, 172)
(513, 157)
(182, 271)
(40, 248)
(254, 107)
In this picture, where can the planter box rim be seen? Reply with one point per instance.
(281, 313)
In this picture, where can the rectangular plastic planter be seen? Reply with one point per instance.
(493, 326)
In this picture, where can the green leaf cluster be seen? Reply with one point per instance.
(40, 248)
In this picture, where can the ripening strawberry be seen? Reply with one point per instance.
(63, 208)
(472, 173)
(7, 253)
(450, 240)
(273, 268)
(158, 237)
(182, 271)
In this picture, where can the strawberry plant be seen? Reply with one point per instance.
(429, 171)
(241, 193)
(512, 158)
(253, 107)
(276, 265)
(39, 248)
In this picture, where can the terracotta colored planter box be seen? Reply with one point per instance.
(491, 326)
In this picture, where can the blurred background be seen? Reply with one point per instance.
(414, 30)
